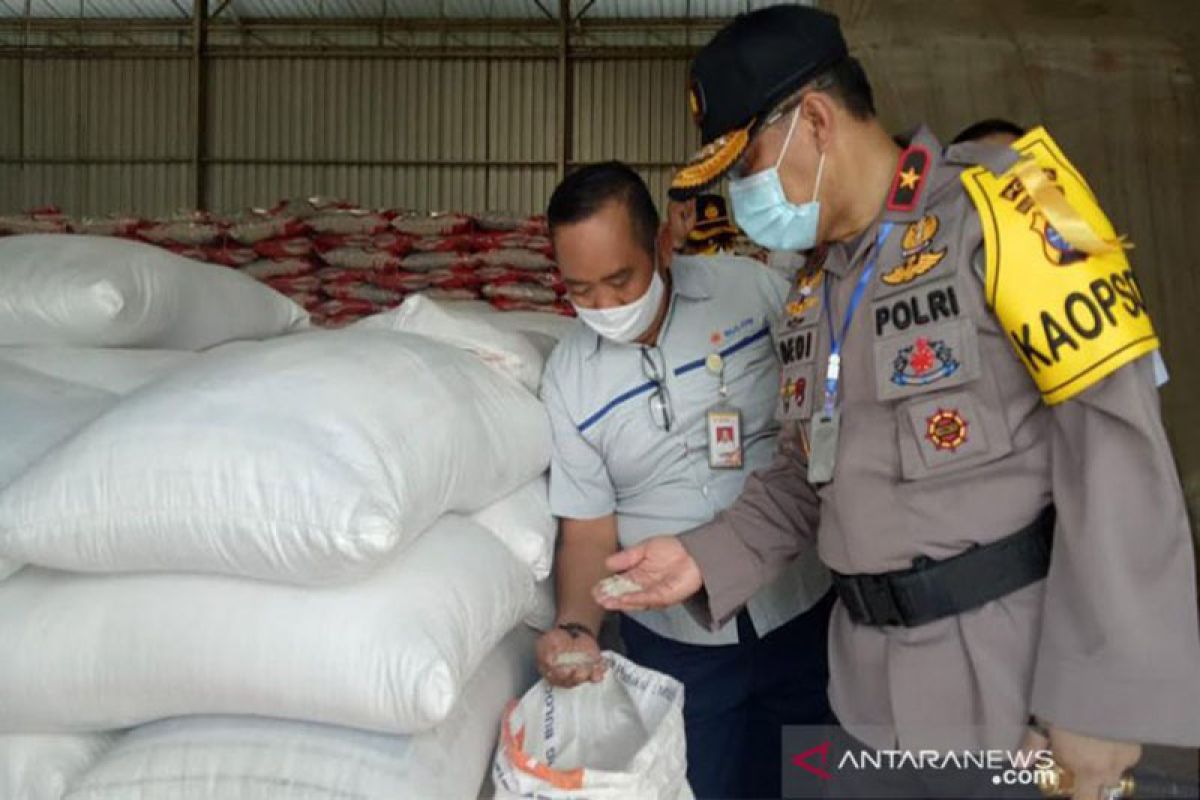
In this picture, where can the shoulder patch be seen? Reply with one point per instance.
(909, 179)
(1056, 275)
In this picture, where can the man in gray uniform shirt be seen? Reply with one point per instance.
(973, 440)
(660, 406)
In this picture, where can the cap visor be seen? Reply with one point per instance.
(710, 164)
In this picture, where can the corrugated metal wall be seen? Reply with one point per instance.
(1111, 79)
(126, 120)
(635, 111)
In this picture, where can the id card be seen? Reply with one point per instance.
(725, 438)
(823, 443)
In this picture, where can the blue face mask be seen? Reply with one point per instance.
(763, 211)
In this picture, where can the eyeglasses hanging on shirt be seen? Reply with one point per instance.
(654, 367)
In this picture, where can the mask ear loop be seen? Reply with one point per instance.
(788, 140)
(817, 184)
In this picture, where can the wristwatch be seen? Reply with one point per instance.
(576, 629)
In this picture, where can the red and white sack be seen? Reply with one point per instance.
(426, 262)
(561, 307)
(258, 229)
(401, 281)
(381, 297)
(344, 308)
(342, 275)
(278, 268)
(432, 225)
(501, 221)
(508, 241)
(229, 256)
(350, 258)
(395, 243)
(455, 278)
(517, 258)
(107, 226)
(18, 224)
(461, 243)
(185, 232)
(520, 291)
(348, 222)
(285, 247)
(451, 294)
(295, 284)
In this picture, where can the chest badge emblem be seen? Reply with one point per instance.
(919, 257)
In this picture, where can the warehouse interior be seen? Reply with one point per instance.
(187, 110)
(152, 108)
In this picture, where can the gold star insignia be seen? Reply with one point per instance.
(909, 178)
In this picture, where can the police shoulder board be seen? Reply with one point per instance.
(1057, 277)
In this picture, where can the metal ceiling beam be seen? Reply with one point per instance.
(565, 81)
(506, 24)
(200, 103)
(407, 53)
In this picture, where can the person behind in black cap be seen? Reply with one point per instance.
(961, 387)
(990, 131)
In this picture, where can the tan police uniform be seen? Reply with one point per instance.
(953, 437)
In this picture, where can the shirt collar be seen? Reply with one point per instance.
(690, 284)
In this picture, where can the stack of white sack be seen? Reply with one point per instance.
(282, 529)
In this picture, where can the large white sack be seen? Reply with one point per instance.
(620, 738)
(389, 653)
(252, 758)
(39, 767)
(523, 521)
(305, 458)
(112, 369)
(37, 412)
(101, 291)
(507, 351)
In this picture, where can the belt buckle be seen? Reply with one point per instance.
(881, 602)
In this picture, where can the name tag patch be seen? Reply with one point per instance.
(916, 309)
(797, 348)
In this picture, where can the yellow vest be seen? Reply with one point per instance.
(1057, 277)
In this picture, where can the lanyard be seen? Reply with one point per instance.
(833, 371)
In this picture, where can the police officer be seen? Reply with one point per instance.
(975, 445)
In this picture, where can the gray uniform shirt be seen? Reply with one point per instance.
(612, 454)
(945, 444)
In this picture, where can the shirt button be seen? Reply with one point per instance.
(704, 491)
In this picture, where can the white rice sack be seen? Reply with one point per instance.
(37, 412)
(306, 458)
(111, 369)
(252, 758)
(98, 291)
(389, 653)
(510, 353)
(39, 408)
(43, 767)
(523, 521)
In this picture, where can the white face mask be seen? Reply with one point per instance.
(628, 322)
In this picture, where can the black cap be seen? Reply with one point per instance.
(748, 68)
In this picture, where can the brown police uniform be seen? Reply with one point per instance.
(946, 444)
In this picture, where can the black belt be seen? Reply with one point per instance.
(931, 590)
